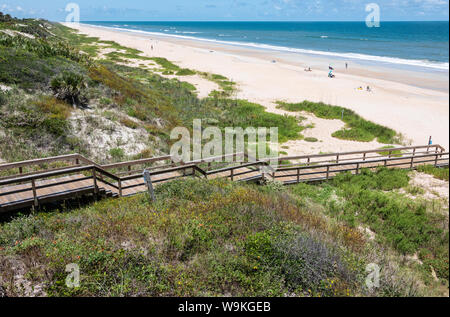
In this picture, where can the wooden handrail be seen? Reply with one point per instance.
(287, 158)
(7, 166)
(22, 179)
(406, 158)
(137, 162)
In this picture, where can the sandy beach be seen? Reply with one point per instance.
(414, 103)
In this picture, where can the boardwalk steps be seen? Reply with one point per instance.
(37, 182)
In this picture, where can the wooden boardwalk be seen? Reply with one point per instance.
(38, 182)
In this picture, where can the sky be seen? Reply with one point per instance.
(229, 10)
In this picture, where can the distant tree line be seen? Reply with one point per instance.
(6, 17)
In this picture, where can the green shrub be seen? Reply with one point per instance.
(69, 88)
(310, 139)
(117, 153)
(354, 135)
(304, 263)
(358, 129)
(382, 179)
(246, 114)
(395, 153)
(56, 112)
(402, 222)
(185, 72)
(440, 173)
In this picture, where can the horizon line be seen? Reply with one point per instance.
(281, 21)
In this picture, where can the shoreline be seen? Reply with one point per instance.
(418, 76)
(413, 64)
(396, 101)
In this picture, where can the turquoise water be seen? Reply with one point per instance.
(416, 44)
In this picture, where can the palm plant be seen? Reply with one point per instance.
(69, 88)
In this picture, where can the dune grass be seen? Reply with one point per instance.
(439, 173)
(395, 153)
(357, 128)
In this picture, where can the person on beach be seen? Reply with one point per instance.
(368, 89)
(346, 65)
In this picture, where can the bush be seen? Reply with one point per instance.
(395, 153)
(440, 173)
(246, 114)
(401, 222)
(117, 153)
(69, 87)
(185, 72)
(304, 263)
(358, 129)
(56, 112)
(310, 139)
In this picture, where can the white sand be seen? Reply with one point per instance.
(397, 101)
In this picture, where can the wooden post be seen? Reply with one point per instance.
(414, 152)
(337, 159)
(33, 186)
(20, 170)
(120, 187)
(357, 168)
(328, 171)
(148, 181)
(209, 166)
(309, 160)
(232, 174)
(77, 161)
(412, 162)
(364, 156)
(385, 163)
(94, 176)
(390, 154)
(436, 160)
(298, 175)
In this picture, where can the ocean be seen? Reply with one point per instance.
(416, 44)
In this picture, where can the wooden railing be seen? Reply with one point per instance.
(126, 176)
(28, 183)
(297, 174)
(358, 155)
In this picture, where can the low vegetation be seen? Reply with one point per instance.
(218, 238)
(439, 173)
(409, 226)
(357, 128)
